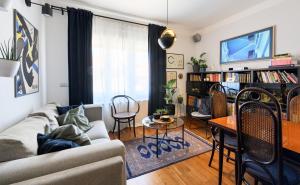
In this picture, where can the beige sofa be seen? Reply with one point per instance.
(102, 163)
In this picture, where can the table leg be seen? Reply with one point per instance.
(119, 134)
(157, 148)
(144, 133)
(182, 136)
(221, 153)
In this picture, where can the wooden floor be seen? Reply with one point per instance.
(194, 171)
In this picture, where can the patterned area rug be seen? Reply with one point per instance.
(141, 157)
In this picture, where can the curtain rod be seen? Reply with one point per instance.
(62, 9)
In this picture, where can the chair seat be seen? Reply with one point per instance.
(199, 115)
(291, 172)
(124, 115)
(229, 140)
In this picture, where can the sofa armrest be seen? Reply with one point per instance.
(32, 167)
(93, 112)
(108, 172)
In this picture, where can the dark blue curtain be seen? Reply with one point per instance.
(80, 56)
(157, 62)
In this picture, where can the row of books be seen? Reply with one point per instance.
(195, 78)
(276, 77)
(238, 77)
(213, 77)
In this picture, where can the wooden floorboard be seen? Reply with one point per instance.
(194, 171)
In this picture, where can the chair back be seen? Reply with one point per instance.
(218, 100)
(293, 105)
(124, 103)
(259, 127)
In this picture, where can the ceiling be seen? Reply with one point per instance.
(194, 14)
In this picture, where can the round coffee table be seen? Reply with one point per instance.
(149, 122)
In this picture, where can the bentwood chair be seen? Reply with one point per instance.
(124, 110)
(293, 105)
(219, 109)
(260, 139)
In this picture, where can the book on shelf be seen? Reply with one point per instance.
(276, 77)
(214, 77)
(195, 78)
(238, 77)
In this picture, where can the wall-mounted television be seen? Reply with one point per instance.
(256, 45)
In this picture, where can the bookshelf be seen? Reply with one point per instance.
(278, 81)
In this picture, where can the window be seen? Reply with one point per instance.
(120, 61)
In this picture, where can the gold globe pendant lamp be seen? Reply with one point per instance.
(168, 36)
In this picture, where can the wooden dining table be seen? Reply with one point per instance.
(290, 136)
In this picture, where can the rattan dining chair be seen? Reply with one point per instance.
(219, 109)
(260, 139)
(293, 104)
(124, 110)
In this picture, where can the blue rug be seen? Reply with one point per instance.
(141, 157)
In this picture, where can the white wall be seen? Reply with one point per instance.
(14, 109)
(284, 14)
(57, 58)
(183, 45)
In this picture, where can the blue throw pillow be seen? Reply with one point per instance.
(48, 145)
(64, 109)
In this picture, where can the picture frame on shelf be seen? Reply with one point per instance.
(175, 61)
(170, 76)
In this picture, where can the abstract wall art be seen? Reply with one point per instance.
(26, 45)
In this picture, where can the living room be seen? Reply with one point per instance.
(139, 83)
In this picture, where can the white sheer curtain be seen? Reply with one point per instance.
(120, 62)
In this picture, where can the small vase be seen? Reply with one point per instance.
(196, 68)
(8, 68)
(202, 70)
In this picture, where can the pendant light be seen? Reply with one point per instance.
(168, 36)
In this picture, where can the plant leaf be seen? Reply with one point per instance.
(8, 48)
(202, 54)
(3, 51)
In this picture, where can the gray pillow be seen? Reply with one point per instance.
(76, 117)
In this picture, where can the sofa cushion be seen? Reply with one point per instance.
(64, 109)
(19, 141)
(49, 111)
(98, 130)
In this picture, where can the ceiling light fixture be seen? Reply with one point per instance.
(168, 36)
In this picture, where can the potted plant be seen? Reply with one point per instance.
(9, 63)
(170, 91)
(202, 63)
(199, 65)
(194, 62)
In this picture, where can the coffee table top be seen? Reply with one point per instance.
(148, 122)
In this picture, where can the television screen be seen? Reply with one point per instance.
(252, 46)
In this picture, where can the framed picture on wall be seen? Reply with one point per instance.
(172, 75)
(175, 61)
(26, 39)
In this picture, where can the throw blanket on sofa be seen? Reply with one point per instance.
(72, 133)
